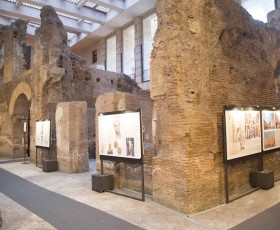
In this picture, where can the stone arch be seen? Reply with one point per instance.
(19, 114)
(22, 89)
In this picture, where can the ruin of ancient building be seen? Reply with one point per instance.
(203, 55)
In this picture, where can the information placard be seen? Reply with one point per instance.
(243, 133)
(43, 133)
(120, 134)
(271, 129)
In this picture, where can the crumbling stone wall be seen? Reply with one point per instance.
(206, 54)
(12, 50)
(56, 75)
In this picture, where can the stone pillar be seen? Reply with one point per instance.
(72, 137)
(101, 54)
(138, 50)
(119, 40)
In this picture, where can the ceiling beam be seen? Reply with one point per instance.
(76, 39)
(33, 15)
(6, 21)
(71, 9)
(18, 3)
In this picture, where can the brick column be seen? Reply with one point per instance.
(72, 137)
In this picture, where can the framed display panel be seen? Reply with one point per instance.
(271, 128)
(120, 135)
(43, 133)
(243, 132)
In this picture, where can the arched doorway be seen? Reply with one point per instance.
(20, 118)
(19, 114)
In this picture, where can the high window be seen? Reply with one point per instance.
(94, 56)
(128, 51)
(111, 53)
(149, 29)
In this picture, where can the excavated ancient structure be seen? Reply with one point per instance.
(206, 54)
(56, 75)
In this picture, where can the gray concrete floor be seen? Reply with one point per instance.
(148, 215)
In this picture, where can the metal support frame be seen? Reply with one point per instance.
(260, 157)
(135, 161)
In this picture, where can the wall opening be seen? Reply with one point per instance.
(20, 119)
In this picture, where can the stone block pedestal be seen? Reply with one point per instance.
(50, 165)
(262, 179)
(102, 183)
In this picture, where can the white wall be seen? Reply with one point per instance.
(259, 8)
(128, 51)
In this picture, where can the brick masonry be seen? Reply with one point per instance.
(56, 75)
(72, 137)
(198, 65)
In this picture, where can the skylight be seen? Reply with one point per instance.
(89, 22)
(34, 24)
(70, 35)
(32, 6)
(74, 1)
(102, 9)
(90, 5)
(67, 16)
(97, 7)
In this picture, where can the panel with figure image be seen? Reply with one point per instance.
(120, 134)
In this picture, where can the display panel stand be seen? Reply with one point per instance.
(25, 131)
(226, 162)
(43, 137)
(142, 178)
(48, 152)
(131, 123)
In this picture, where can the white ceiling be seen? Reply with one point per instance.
(85, 21)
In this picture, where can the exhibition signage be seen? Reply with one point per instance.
(271, 129)
(248, 131)
(243, 132)
(43, 133)
(120, 134)
(120, 139)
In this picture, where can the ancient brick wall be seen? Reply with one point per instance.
(56, 75)
(206, 54)
(128, 175)
(72, 136)
(13, 50)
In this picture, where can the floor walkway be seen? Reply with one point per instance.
(31, 199)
